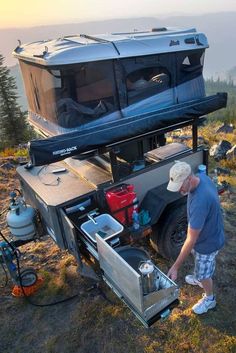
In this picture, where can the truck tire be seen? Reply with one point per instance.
(169, 234)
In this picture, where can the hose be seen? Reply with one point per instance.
(6, 277)
(20, 193)
(16, 253)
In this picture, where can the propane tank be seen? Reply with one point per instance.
(21, 218)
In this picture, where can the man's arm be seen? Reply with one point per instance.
(189, 243)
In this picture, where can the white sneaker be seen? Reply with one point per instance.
(203, 305)
(190, 279)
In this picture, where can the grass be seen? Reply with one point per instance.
(14, 152)
(208, 132)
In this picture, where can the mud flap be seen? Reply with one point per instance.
(156, 201)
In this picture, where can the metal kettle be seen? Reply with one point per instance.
(150, 278)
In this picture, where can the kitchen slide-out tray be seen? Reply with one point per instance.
(104, 225)
(126, 282)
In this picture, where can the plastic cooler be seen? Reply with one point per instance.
(122, 201)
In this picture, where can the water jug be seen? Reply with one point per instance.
(202, 169)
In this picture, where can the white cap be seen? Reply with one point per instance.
(178, 173)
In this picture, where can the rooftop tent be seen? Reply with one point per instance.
(73, 97)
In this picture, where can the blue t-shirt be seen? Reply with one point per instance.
(204, 213)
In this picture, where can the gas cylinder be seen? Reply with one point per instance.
(21, 218)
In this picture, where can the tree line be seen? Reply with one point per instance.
(228, 114)
(15, 130)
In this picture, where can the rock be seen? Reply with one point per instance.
(225, 145)
(214, 150)
(231, 154)
(226, 128)
(219, 151)
(7, 166)
(223, 171)
(183, 138)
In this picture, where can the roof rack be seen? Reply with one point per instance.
(126, 33)
(100, 40)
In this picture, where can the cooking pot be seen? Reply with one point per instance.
(133, 255)
(150, 277)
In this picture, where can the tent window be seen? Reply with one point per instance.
(94, 82)
(40, 86)
(186, 61)
(146, 82)
(71, 95)
(190, 65)
(146, 76)
(87, 93)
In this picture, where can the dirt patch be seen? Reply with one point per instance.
(97, 321)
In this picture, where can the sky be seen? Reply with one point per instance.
(27, 13)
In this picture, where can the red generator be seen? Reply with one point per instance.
(122, 201)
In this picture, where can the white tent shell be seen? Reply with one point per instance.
(85, 48)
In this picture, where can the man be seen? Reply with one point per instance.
(205, 234)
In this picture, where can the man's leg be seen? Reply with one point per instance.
(207, 285)
(191, 279)
(203, 271)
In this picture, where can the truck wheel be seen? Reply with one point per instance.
(169, 234)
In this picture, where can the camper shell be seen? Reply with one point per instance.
(107, 105)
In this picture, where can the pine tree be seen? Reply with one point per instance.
(13, 126)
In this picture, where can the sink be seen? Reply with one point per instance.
(106, 226)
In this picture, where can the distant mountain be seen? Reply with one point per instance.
(220, 29)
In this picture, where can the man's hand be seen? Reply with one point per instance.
(173, 273)
(192, 236)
